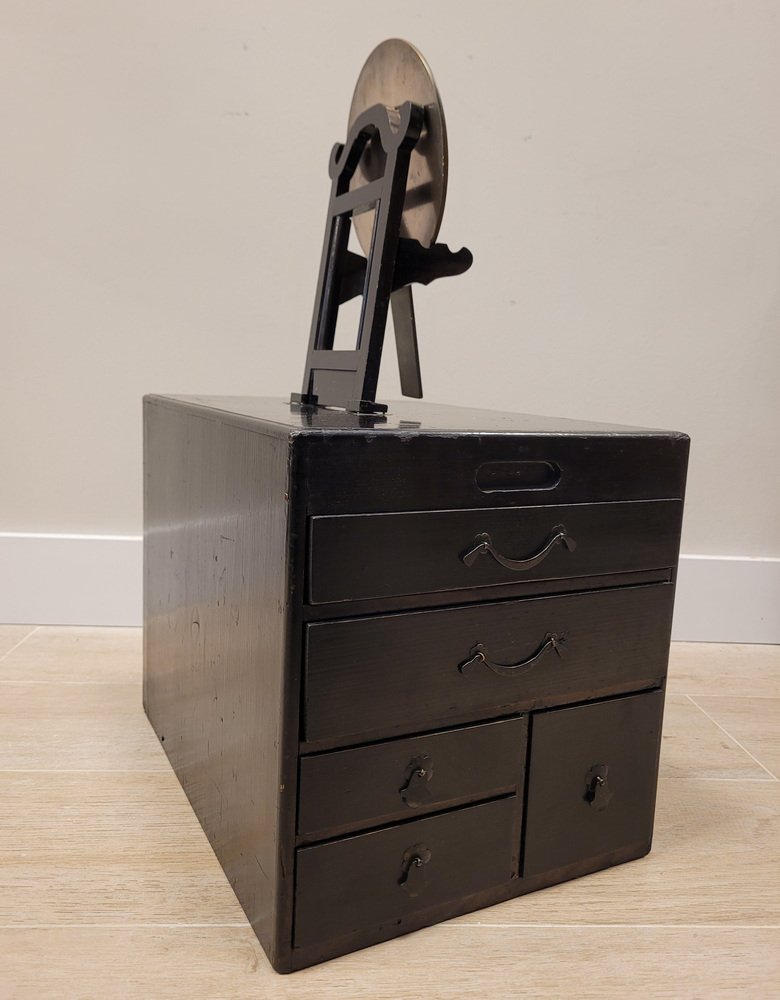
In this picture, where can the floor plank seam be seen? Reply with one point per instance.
(733, 739)
(448, 925)
(116, 927)
(26, 683)
(452, 925)
(24, 638)
(760, 781)
(85, 770)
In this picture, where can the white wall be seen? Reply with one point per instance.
(615, 168)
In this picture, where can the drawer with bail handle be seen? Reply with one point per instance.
(403, 673)
(370, 556)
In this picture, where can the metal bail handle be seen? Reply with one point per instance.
(479, 654)
(484, 546)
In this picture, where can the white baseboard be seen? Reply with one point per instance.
(71, 579)
(50, 579)
(727, 599)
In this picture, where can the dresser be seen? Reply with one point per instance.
(406, 667)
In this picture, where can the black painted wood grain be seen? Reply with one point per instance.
(621, 739)
(362, 787)
(378, 676)
(405, 417)
(365, 935)
(356, 557)
(215, 602)
(345, 885)
(482, 595)
(415, 470)
(425, 456)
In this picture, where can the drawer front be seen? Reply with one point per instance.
(417, 470)
(404, 673)
(592, 779)
(369, 880)
(368, 556)
(401, 779)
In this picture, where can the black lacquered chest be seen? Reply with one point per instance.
(406, 667)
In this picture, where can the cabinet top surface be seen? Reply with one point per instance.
(402, 418)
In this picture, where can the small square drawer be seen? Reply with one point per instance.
(401, 779)
(373, 879)
(591, 781)
(381, 676)
(365, 556)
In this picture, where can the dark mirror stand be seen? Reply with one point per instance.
(348, 378)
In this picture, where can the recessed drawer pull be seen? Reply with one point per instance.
(484, 546)
(597, 791)
(413, 873)
(479, 655)
(416, 791)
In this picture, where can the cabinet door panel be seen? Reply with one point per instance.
(591, 781)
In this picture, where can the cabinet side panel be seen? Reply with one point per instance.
(215, 613)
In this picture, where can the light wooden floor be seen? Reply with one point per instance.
(108, 887)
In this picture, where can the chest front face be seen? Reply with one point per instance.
(485, 621)
(475, 616)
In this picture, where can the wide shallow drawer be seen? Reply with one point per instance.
(405, 673)
(592, 780)
(365, 881)
(399, 779)
(368, 556)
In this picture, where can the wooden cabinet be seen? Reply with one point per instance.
(408, 667)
